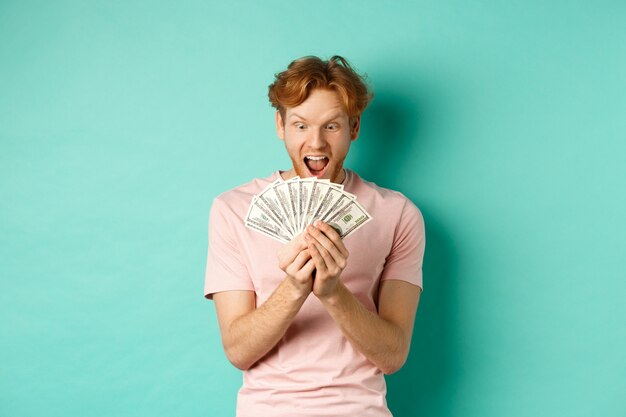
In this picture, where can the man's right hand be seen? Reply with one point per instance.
(295, 260)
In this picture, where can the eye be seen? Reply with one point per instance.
(332, 126)
(299, 126)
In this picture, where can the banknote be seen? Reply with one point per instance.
(349, 218)
(281, 191)
(259, 218)
(294, 200)
(276, 207)
(283, 209)
(332, 201)
(305, 187)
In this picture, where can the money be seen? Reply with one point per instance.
(285, 208)
(259, 218)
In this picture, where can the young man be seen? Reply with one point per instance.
(316, 323)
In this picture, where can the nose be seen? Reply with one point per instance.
(317, 139)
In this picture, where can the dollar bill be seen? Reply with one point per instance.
(318, 191)
(260, 205)
(271, 200)
(349, 218)
(333, 200)
(305, 187)
(259, 218)
(266, 232)
(281, 190)
(294, 199)
(283, 209)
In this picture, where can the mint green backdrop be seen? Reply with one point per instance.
(503, 121)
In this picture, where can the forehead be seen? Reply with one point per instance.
(320, 104)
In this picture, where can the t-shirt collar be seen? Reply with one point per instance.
(346, 179)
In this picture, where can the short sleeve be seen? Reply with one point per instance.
(225, 267)
(404, 262)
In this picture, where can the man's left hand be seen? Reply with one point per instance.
(329, 255)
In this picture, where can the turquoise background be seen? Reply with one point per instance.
(503, 121)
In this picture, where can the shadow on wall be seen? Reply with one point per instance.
(395, 129)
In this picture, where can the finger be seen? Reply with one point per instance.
(300, 260)
(297, 263)
(299, 242)
(297, 245)
(316, 256)
(288, 253)
(327, 244)
(308, 268)
(331, 265)
(332, 234)
(293, 268)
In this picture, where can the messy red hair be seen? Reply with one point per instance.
(293, 86)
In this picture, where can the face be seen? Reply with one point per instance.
(317, 135)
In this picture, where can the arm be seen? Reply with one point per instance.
(249, 333)
(383, 338)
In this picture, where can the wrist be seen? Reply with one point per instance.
(332, 297)
(296, 289)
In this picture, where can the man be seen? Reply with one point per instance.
(316, 323)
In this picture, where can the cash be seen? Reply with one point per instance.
(285, 208)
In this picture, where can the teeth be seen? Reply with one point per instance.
(316, 158)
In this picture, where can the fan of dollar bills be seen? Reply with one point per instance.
(285, 208)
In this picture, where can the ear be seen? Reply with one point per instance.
(355, 128)
(280, 126)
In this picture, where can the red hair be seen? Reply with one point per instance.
(293, 86)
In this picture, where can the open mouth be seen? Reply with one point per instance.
(316, 164)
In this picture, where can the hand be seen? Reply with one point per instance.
(295, 260)
(329, 255)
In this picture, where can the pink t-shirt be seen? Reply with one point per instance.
(314, 370)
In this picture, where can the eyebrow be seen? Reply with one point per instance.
(334, 116)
